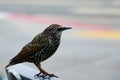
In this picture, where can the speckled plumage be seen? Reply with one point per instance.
(41, 47)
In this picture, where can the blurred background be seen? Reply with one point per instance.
(90, 51)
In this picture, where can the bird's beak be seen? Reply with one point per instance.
(64, 28)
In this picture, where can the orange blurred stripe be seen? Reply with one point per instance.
(98, 34)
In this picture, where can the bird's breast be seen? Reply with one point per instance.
(49, 50)
(46, 52)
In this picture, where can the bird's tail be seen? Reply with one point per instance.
(13, 62)
(10, 64)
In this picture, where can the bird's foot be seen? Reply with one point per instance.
(52, 75)
(43, 76)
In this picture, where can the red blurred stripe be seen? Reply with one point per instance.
(49, 20)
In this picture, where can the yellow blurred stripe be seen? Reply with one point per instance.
(98, 34)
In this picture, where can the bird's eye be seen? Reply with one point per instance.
(59, 29)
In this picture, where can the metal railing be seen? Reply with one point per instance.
(22, 72)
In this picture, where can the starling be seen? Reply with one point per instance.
(40, 48)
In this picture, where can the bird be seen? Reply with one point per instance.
(43, 46)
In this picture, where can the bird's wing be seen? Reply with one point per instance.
(38, 43)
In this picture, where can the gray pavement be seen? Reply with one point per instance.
(77, 58)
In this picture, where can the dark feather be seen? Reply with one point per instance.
(38, 43)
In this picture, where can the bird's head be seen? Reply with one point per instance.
(55, 29)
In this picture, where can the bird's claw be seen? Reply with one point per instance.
(43, 76)
(52, 75)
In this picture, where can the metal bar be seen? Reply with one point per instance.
(22, 72)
